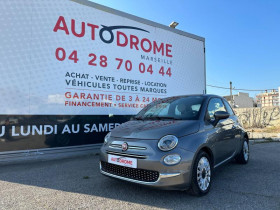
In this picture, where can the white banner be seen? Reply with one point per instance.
(61, 57)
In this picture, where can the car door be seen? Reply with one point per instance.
(223, 137)
(235, 131)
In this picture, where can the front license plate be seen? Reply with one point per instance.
(122, 161)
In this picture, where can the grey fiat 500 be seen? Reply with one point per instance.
(175, 143)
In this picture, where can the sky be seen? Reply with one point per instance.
(242, 37)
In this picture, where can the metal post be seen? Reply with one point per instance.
(231, 97)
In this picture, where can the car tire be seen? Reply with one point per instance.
(243, 156)
(201, 175)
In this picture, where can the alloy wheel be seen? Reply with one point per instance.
(203, 173)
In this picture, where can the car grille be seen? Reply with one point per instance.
(130, 173)
(129, 147)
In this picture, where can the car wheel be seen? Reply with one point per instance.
(243, 156)
(201, 174)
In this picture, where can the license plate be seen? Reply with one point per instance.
(122, 161)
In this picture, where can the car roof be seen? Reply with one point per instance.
(203, 95)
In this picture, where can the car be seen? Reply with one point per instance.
(175, 143)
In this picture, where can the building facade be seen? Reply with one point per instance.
(267, 99)
(241, 100)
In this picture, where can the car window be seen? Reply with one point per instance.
(177, 108)
(193, 108)
(196, 107)
(228, 107)
(214, 105)
(159, 110)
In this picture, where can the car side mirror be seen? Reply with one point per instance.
(220, 115)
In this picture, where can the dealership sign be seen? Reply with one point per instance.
(72, 70)
(66, 58)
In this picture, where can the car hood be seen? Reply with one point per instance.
(155, 129)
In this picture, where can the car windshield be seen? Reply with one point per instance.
(175, 108)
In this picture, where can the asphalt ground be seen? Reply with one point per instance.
(77, 184)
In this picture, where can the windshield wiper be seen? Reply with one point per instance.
(171, 118)
(161, 118)
(138, 118)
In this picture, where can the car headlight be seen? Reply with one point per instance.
(107, 138)
(167, 143)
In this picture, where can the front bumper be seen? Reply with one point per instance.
(161, 176)
(176, 177)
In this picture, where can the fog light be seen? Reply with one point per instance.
(172, 159)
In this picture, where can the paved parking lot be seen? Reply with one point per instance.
(76, 183)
